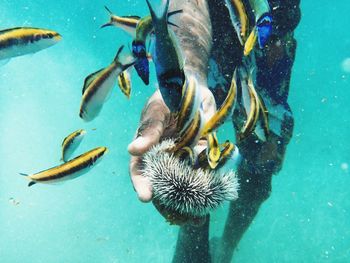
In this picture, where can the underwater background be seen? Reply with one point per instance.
(97, 217)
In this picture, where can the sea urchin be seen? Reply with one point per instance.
(179, 187)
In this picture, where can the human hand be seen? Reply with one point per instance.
(158, 123)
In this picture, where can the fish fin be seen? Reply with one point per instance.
(4, 61)
(175, 12)
(172, 24)
(108, 10)
(31, 183)
(106, 25)
(23, 174)
(89, 79)
(118, 53)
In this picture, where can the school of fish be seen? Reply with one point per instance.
(154, 40)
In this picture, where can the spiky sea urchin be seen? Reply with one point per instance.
(180, 188)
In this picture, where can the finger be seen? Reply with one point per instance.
(153, 122)
(141, 184)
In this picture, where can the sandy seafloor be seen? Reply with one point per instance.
(97, 217)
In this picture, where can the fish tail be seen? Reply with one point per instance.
(110, 14)
(164, 15)
(108, 10)
(126, 66)
(165, 11)
(31, 183)
(118, 53)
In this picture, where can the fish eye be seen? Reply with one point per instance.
(50, 35)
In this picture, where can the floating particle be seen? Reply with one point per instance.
(13, 201)
(346, 65)
(344, 166)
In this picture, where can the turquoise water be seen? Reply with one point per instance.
(97, 217)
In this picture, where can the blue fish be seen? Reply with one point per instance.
(142, 64)
(264, 27)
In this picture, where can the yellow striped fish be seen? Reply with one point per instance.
(213, 150)
(127, 23)
(189, 104)
(225, 110)
(191, 135)
(71, 143)
(69, 170)
(124, 83)
(167, 58)
(254, 107)
(251, 106)
(97, 87)
(242, 17)
(21, 41)
(251, 41)
(229, 153)
(186, 153)
(262, 133)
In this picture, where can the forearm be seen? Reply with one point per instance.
(194, 35)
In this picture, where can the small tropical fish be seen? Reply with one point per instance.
(229, 153)
(189, 104)
(143, 29)
(263, 20)
(253, 106)
(264, 27)
(124, 83)
(213, 150)
(97, 87)
(128, 23)
(251, 41)
(239, 18)
(21, 41)
(186, 153)
(71, 143)
(167, 59)
(262, 133)
(69, 170)
(191, 135)
(225, 110)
